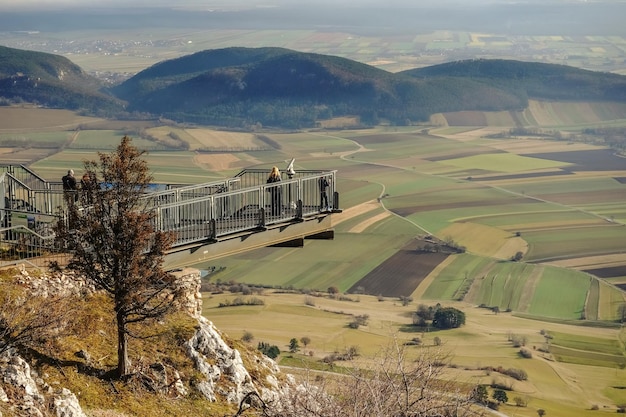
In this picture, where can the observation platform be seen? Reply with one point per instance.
(209, 220)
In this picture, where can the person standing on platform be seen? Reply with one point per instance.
(69, 187)
(324, 184)
(275, 192)
(87, 186)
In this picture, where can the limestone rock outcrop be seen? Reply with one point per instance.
(225, 375)
(31, 396)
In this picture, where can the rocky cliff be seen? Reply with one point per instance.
(24, 392)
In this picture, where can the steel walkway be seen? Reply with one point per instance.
(209, 220)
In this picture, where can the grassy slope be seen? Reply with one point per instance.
(92, 329)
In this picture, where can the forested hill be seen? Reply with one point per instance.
(532, 79)
(244, 87)
(272, 86)
(281, 87)
(50, 80)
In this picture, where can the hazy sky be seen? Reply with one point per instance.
(373, 17)
(56, 4)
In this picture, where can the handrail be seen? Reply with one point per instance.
(26, 230)
(11, 169)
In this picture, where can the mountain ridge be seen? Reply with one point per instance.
(284, 88)
(245, 88)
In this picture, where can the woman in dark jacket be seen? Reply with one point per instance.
(275, 192)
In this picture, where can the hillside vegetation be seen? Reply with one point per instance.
(252, 87)
(279, 87)
(50, 80)
(526, 80)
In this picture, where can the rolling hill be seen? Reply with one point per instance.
(277, 87)
(51, 81)
(532, 79)
(281, 87)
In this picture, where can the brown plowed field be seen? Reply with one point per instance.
(608, 272)
(400, 275)
(592, 160)
(573, 198)
(407, 211)
(384, 138)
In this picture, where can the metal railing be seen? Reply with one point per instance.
(24, 174)
(255, 207)
(194, 213)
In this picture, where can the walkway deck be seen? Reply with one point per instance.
(210, 220)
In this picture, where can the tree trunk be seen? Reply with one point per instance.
(123, 364)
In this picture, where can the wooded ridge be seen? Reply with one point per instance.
(277, 87)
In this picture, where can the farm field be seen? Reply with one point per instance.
(561, 387)
(422, 180)
(559, 205)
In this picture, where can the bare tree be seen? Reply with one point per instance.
(401, 386)
(305, 340)
(398, 383)
(115, 245)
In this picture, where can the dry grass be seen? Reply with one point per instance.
(22, 119)
(359, 228)
(217, 162)
(218, 139)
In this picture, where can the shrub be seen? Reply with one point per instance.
(406, 300)
(271, 351)
(518, 340)
(416, 341)
(525, 353)
(520, 401)
(247, 336)
(360, 320)
(305, 340)
(518, 374)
